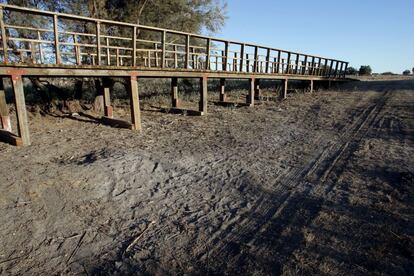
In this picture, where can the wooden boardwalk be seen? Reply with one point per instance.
(49, 44)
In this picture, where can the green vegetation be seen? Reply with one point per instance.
(406, 72)
(365, 70)
(351, 71)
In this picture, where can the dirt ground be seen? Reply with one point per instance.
(320, 183)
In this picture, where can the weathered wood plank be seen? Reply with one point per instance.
(19, 100)
(203, 95)
(223, 90)
(250, 96)
(134, 102)
(56, 37)
(174, 93)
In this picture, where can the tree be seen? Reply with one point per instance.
(406, 73)
(413, 70)
(365, 70)
(351, 71)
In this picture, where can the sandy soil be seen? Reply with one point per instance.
(321, 183)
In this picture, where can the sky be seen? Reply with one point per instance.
(379, 33)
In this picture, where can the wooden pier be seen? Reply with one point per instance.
(63, 45)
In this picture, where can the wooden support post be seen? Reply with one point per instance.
(242, 47)
(257, 90)
(311, 86)
(98, 42)
(3, 37)
(164, 53)
(340, 73)
(203, 95)
(250, 97)
(222, 90)
(4, 110)
(134, 102)
(19, 100)
(107, 101)
(283, 91)
(134, 47)
(56, 34)
(174, 93)
(187, 52)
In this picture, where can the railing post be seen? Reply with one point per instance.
(336, 68)
(319, 66)
(241, 57)
(175, 57)
(134, 47)
(306, 64)
(208, 54)
(288, 63)
(312, 70)
(278, 62)
(226, 55)
(187, 52)
(346, 68)
(256, 60)
(297, 63)
(267, 61)
(325, 69)
(163, 54)
(3, 37)
(108, 52)
(56, 33)
(98, 42)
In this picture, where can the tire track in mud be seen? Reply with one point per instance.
(270, 211)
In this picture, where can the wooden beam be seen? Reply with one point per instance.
(306, 65)
(134, 102)
(56, 36)
(297, 63)
(19, 100)
(250, 96)
(203, 95)
(174, 93)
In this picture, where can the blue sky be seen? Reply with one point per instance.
(379, 33)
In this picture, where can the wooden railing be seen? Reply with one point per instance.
(30, 36)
